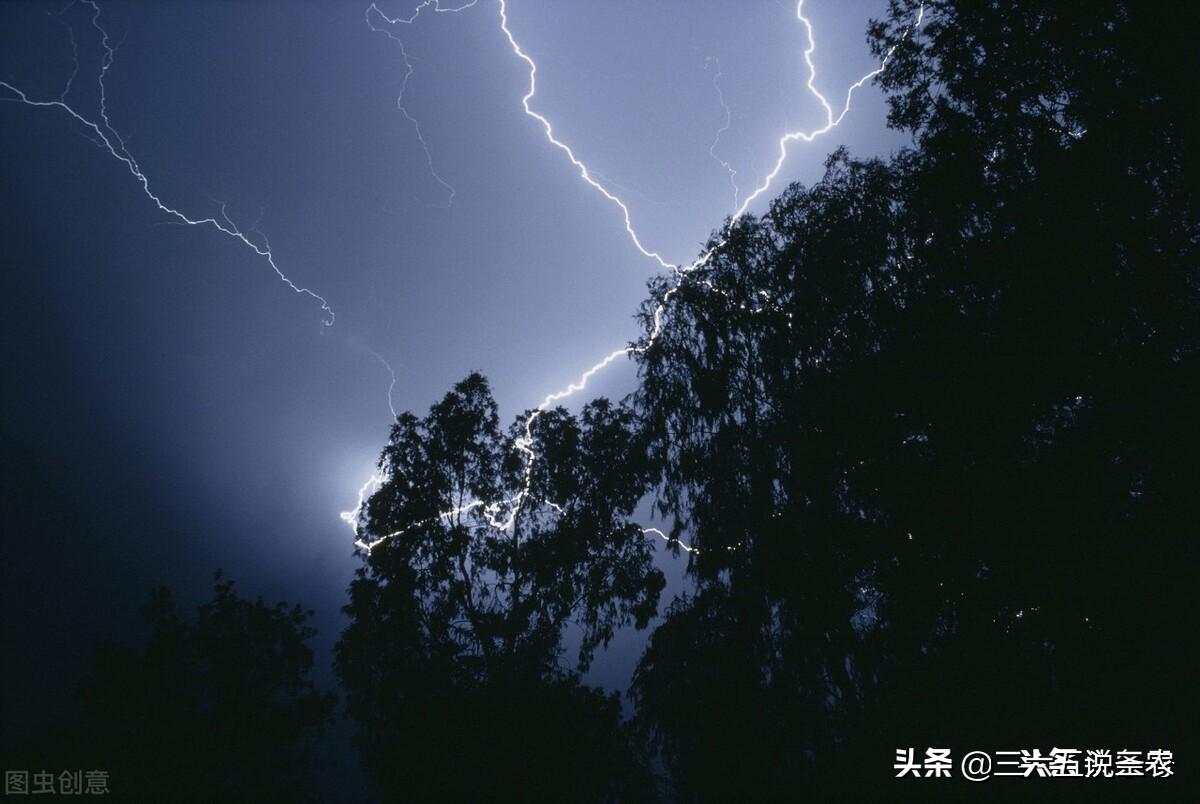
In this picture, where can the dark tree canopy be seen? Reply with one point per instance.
(454, 651)
(931, 421)
(929, 424)
(219, 707)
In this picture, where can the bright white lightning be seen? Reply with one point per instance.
(666, 538)
(524, 444)
(373, 484)
(548, 129)
(112, 142)
(831, 122)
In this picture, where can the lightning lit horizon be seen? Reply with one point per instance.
(524, 444)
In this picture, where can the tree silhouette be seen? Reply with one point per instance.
(217, 708)
(929, 422)
(453, 658)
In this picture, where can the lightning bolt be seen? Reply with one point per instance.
(110, 140)
(391, 373)
(524, 444)
(666, 538)
(74, 53)
(391, 22)
(108, 137)
(712, 149)
(548, 129)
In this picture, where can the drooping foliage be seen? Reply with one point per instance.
(930, 421)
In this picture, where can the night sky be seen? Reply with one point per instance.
(170, 406)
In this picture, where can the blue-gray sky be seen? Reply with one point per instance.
(169, 406)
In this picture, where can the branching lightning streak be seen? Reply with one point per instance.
(408, 72)
(548, 129)
(110, 140)
(712, 149)
(74, 54)
(351, 517)
(524, 444)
